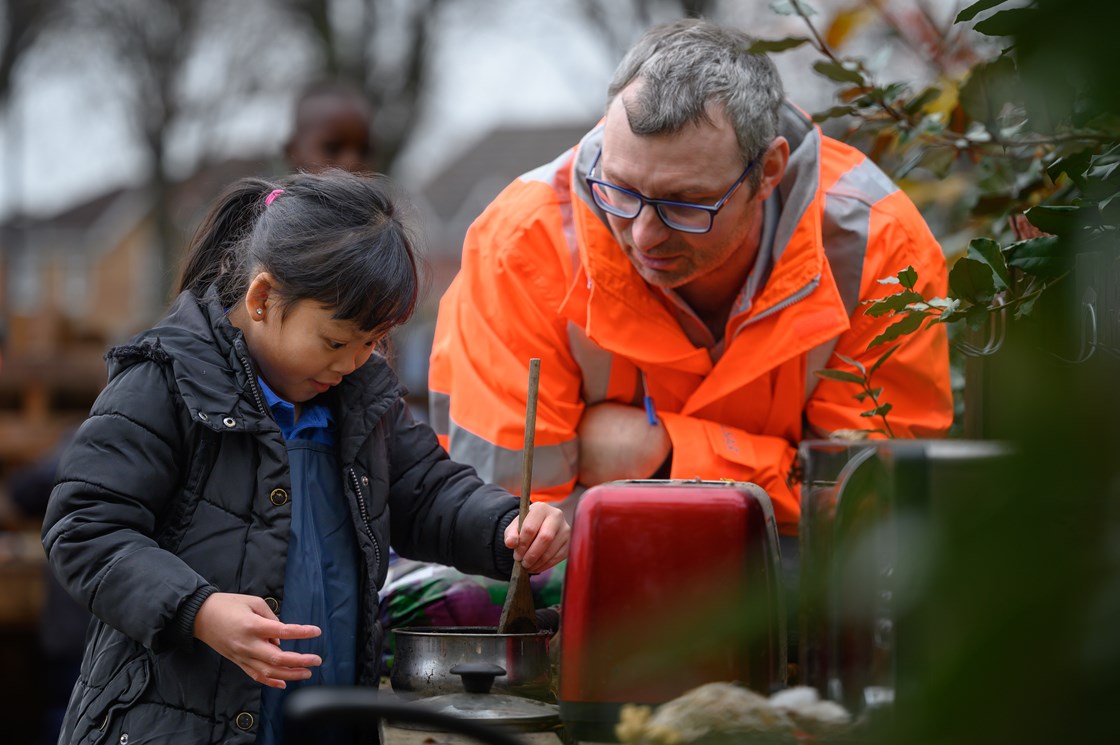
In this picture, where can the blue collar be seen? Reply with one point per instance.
(315, 422)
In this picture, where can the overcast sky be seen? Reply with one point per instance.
(532, 62)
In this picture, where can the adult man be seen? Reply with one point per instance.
(681, 273)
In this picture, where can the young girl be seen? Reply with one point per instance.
(225, 511)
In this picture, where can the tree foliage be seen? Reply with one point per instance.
(1016, 179)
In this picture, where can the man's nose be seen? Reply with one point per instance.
(647, 229)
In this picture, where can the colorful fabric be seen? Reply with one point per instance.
(424, 595)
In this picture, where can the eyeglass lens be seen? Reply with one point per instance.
(626, 205)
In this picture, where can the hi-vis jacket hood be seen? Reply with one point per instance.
(543, 276)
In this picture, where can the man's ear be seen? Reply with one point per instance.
(773, 165)
(260, 299)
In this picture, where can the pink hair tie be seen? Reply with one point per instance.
(272, 196)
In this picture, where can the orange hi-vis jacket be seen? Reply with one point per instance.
(542, 276)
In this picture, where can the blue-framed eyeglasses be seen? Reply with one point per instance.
(686, 217)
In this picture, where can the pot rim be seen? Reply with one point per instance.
(488, 632)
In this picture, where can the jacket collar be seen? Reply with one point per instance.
(215, 376)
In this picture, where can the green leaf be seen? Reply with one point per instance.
(1059, 219)
(1025, 307)
(853, 362)
(874, 393)
(950, 311)
(1102, 172)
(839, 73)
(909, 323)
(975, 9)
(988, 252)
(1006, 22)
(769, 46)
(976, 317)
(908, 277)
(890, 92)
(843, 375)
(893, 303)
(990, 87)
(833, 113)
(972, 280)
(880, 410)
(1074, 166)
(882, 358)
(925, 96)
(943, 303)
(1039, 257)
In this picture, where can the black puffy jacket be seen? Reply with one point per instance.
(177, 486)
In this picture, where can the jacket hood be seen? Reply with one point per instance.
(214, 373)
(203, 351)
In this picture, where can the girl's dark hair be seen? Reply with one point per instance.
(333, 237)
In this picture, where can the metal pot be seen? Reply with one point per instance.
(424, 657)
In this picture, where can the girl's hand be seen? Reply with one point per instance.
(542, 542)
(244, 630)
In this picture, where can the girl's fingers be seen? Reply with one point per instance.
(293, 631)
(296, 660)
(555, 553)
(276, 667)
(543, 539)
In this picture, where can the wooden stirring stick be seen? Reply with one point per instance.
(518, 614)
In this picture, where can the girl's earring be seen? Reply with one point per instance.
(260, 311)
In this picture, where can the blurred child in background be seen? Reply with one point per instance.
(332, 127)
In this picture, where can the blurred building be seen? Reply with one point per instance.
(73, 284)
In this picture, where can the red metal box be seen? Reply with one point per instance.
(669, 584)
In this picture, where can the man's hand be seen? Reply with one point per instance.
(542, 542)
(244, 630)
(618, 442)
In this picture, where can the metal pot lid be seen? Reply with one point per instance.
(498, 709)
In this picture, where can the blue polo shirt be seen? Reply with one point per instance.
(316, 423)
(321, 575)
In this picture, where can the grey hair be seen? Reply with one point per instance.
(688, 64)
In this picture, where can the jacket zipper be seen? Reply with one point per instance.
(364, 512)
(792, 299)
(252, 380)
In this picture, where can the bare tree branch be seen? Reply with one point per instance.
(23, 21)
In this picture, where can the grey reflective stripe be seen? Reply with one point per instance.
(795, 196)
(594, 364)
(553, 174)
(585, 156)
(802, 177)
(845, 227)
(553, 465)
(439, 412)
